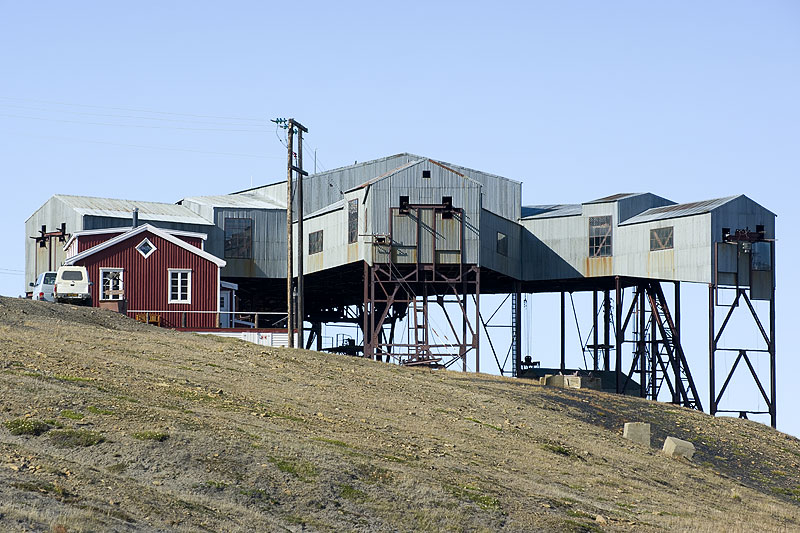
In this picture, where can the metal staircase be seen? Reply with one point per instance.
(669, 355)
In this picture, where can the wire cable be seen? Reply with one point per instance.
(9, 115)
(176, 149)
(133, 109)
(140, 117)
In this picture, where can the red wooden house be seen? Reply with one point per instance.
(163, 275)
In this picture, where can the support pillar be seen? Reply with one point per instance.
(517, 328)
(618, 333)
(607, 330)
(712, 388)
(563, 334)
(642, 345)
(594, 330)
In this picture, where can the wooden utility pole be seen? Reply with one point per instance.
(300, 235)
(293, 320)
(289, 247)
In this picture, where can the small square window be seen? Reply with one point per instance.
(315, 242)
(146, 248)
(426, 174)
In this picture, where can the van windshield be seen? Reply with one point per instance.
(50, 279)
(72, 275)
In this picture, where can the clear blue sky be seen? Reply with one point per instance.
(689, 100)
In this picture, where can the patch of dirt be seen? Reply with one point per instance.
(138, 428)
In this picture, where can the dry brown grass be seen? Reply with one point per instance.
(271, 439)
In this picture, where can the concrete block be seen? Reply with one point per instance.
(571, 382)
(637, 432)
(674, 447)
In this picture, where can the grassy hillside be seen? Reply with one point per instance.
(116, 426)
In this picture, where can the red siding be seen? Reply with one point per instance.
(87, 241)
(146, 281)
(194, 241)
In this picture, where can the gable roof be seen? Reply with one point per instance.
(112, 207)
(615, 197)
(123, 229)
(551, 211)
(407, 166)
(138, 231)
(683, 210)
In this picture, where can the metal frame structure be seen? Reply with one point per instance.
(743, 353)
(392, 290)
(646, 322)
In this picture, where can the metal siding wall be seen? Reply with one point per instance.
(466, 195)
(688, 259)
(146, 281)
(51, 214)
(325, 188)
(98, 222)
(334, 241)
(511, 265)
(628, 207)
(501, 196)
(269, 243)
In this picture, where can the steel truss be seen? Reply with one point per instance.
(658, 361)
(743, 354)
(393, 291)
(658, 356)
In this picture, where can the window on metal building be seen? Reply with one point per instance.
(661, 238)
(315, 242)
(238, 238)
(502, 243)
(600, 236)
(352, 221)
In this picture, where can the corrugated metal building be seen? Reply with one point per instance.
(635, 235)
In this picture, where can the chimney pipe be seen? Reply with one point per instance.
(136, 217)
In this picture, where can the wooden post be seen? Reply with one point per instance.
(289, 244)
(563, 334)
(300, 319)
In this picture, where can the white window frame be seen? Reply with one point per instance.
(113, 297)
(179, 271)
(152, 248)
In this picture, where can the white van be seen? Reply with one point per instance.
(43, 286)
(72, 285)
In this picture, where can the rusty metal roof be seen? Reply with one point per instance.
(679, 210)
(111, 207)
(247, 201)
(614, 197)
(551, 211)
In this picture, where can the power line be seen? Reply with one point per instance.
(176, 149)
(132, 109)
(161, 119)
(127, 125)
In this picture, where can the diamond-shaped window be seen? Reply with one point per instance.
(146, 248)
